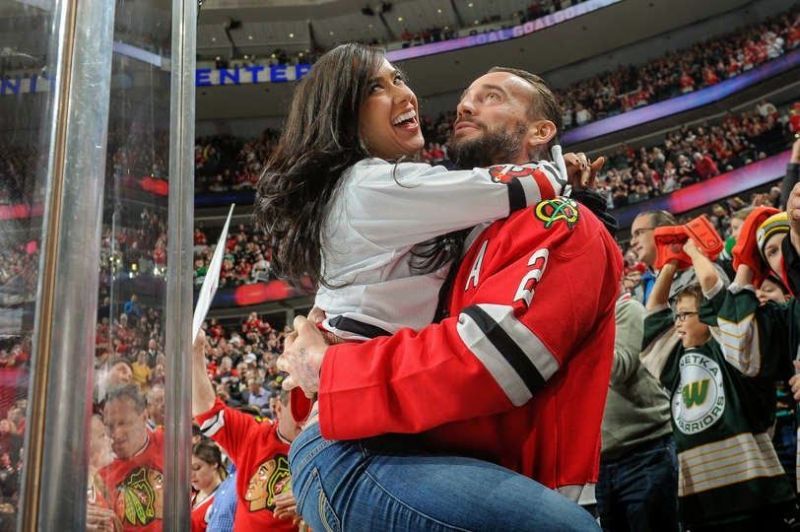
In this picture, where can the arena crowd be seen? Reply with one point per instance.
(723, 285)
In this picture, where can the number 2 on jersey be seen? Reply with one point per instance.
(527, 286)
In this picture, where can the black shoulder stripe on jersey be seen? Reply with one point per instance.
(510, 351)
(553, 172)
(516, 196)
(212, 425)
(358, 327)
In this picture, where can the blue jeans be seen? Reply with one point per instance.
(639, 491)
(382, 484)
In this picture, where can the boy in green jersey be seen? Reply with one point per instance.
(720, 375)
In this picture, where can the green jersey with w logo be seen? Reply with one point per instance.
(723, 403)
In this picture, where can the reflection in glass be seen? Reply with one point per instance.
(24, 108)
(126, 456)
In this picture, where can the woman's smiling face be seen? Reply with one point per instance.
(388, 118)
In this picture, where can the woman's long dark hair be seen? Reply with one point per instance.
(320, 140)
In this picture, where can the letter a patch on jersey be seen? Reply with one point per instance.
(475, 272)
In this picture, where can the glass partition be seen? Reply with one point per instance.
(92, 216)
(26, 105)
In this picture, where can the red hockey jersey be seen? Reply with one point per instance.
(262, 464)
(200, 514)
(518, 375)
(136, 486)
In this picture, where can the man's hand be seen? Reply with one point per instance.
(317, 315)
(199, 347)
(581, 173)
(302, 356)
(691, 249)
(101, 519)
(203, 394)
(631, 280)
(286, 507)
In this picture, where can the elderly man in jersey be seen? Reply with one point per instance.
(516, 376)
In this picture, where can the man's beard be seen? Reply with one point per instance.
(492, 147)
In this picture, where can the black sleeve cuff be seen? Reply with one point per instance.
(596, 203)
(792, 177)
(791, 262)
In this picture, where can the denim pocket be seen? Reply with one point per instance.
(312, 500)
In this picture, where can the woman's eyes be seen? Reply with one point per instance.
(398, 80)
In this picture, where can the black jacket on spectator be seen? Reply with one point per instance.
(791, 178)
(792, 262)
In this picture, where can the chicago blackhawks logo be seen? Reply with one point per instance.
(699, 400)
(270, 479)
(505, 173)
(140, 499)
(557, 210)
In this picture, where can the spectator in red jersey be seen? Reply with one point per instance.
(794, 120)
(253, 323)
(258, 449)
(793, 37)
(705, 166)
(215, 329)
(134, 480)
(199, 237)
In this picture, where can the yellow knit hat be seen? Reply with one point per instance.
(775, 224)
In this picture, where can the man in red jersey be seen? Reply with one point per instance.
(516, 376)
(258, 449)
(134, 480)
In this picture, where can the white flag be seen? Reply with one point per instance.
(211, 282)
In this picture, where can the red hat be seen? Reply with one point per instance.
(299, 404)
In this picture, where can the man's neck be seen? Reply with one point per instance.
(143, 447)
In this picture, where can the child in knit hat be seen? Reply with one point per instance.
(779, 323)
(769, 236)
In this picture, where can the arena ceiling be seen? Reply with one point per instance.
(291, 25)
(570, 42)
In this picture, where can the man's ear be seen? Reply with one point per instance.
(540, 133)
